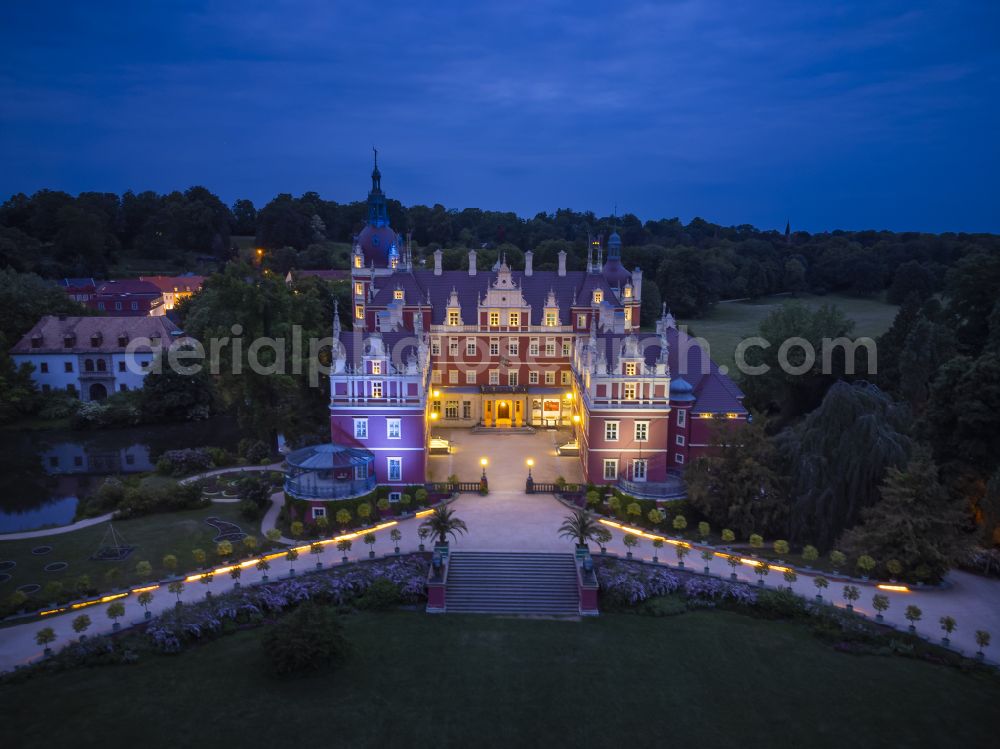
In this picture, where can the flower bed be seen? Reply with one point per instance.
(172, 630)
(625, 583)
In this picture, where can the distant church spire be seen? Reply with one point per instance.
(788, 231)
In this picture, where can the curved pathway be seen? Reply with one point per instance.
(512, 521)
(42, 532)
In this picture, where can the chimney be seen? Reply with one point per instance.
(562, 262)
(472, 262)
(528, 257)
(437, 262)
(637, 284)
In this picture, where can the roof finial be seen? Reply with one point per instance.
(375, 151)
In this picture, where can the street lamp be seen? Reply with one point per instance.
(576, 418)
(530, 462)
(483, 462)
(434, 415)
(437, 393)
(529, 485)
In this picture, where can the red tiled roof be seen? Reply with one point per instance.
(172, 284)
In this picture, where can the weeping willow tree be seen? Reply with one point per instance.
(837, 459)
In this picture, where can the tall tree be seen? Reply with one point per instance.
(838, 456)
(915, 521)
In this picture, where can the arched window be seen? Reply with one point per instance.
(88, 365)
(102, 366)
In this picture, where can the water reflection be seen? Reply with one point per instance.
(43, 474)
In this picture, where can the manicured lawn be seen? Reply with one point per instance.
(153, 536)
(701, 679)
(731, 322)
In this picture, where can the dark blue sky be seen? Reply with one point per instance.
(855, 114)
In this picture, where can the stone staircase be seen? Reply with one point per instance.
(531, 584)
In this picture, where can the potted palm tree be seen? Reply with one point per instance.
(442, 524)
(579, 526)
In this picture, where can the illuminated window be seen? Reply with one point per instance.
(376, 367)
(514, 318)
(628, 391)
(611, 431)
(628, 292)
(565, 377)
(630, 368)
(451, 409)
(641, 431)
(395, 471)
(357, 261)
(628, 315)
(359, 311)
(393, 428)
(581, 321)
(453, 317)
(610, 469)
(377, 389)
(551, 318)
(359, 289)
(361, 429)
(397, 294)
(494, 319)
(598, 296)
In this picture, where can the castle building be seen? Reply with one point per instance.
(501, 348)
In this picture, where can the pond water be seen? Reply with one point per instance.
(43, 474)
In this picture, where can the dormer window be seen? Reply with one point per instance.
(376, 367)
(494, 319)
(453, 318)
(359, 289)
(397, 294)
(69, 341)
(96, 340)
(357, 261)
(122, 340)
(630, 368)
(628, 292)
(36, 341)
(551, 319)
(598, 296)
(515, 319)
(359, 311)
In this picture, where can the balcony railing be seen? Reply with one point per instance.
(308, 486)
(673, 488)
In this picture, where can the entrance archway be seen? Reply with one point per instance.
(503, 411)
(98, 392)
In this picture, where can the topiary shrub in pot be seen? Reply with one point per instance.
(630, 541)
(810, 554)
(344, 546)
(707, 555)
(657, 545)
(880, 603)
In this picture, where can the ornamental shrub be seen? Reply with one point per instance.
(309, 639)
(810, 553)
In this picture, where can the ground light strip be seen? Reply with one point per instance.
(223, 570)
(743, 560)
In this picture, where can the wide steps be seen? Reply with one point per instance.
(529, 584)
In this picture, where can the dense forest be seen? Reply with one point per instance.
(695, 265)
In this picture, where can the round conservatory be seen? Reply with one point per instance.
(329, 471)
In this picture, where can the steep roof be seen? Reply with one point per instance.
(170, 284)
(128, 286)
(52, 331)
